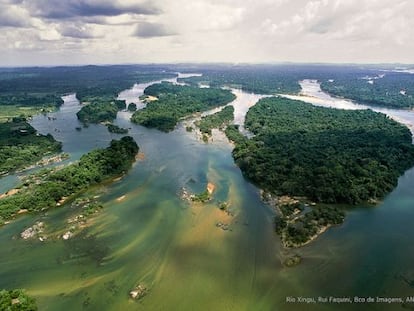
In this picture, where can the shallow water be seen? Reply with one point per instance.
(147, 234)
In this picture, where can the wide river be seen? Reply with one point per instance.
(147, 234)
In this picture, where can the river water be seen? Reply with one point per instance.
(312, 93)
(147, 234)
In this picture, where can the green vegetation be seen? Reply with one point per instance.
(292, 261)
(395, 90)
(297, 223)
(21, 146)
(259, 79)
(28, 91)
(7, 113)
(37, 86)
(308, 226)
(326, 155)
(132, 107)
(98, 112)
(16, 300)
(55, 186)
(367, 84)
(120, 104)
(223, 206)
(176, 102)
(216, 120)
(201, 197)
(116, 129)
(234, 135)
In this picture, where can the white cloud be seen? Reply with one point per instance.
(211, 30)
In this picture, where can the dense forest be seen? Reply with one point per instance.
(44, 86)
(216, 120)
(327, 155)
(16, 300)
(132, 107)
(176, 102)
(395, 90)
(21, 145)
(297, 223)
(92, 168)
(97, 112)
(378, 86)
(112, 128)
(250, 78)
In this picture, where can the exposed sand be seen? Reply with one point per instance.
(140, 156)
(210, 188)
(9, 193)
(121, 198)
(151, 98)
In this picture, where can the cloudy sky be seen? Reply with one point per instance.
(51, 32)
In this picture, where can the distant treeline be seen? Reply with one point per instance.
(39, 86)
(395, 90)
(386, 88)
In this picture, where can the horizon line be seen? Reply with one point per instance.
(214, 63)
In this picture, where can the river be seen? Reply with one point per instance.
(147, 234)
(312, 93)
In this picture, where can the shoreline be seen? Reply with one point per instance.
(45, 161)
(297, 208)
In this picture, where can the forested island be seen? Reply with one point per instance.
(176, 102)
(97, 112)
(21, 145)
(389, 89)
(55, 186)
(259, 79)
(365, 84)
(40, 86)
(16, 300)
(325, 155)
(112, 128)
(216, 120)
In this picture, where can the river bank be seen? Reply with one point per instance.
(152, 238)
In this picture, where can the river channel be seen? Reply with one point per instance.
(146, 234)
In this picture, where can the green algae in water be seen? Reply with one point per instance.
(146, 234)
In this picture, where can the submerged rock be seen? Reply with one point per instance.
(223, 226)
(67, 235)
(138, 292)
(292, 261)
(32, 231)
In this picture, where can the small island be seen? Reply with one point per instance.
(16, 299)
(112, 128)
(323, 155)
(217, 120)
(132, 107)
(52, 188)
(176, 102)
(22, 146)
(97, 112)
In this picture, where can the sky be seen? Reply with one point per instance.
(69, 32)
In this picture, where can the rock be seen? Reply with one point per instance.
(32, 231)
(138, 292)
(67, 235)
(223, 226)
(292, 261)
